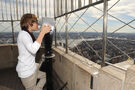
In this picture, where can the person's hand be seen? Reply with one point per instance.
(45, 29)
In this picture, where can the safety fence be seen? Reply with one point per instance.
(100, 30)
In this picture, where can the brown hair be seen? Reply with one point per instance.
(27, 19)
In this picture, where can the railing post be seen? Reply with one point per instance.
(46, 8)
(55, 35)
(17, 9)
(30, 5)
(55, 26)
(104, 32)
(79, 3)
(72, 5)
(66, 32)
(12, 23)
(58, 8)
(13, 37)
(37, 9)
(90, 1)
(23, 7)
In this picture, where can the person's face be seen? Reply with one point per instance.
(34, 26)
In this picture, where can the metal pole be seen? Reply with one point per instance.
(75, 4)
(55, 26)
(33, 6)
(17, 8)
(66, 40)
(58, 8)
(14, 10)
(30, 5)
(55, 35)
(27, 6)
(12, 22)
(79, 3)
(104, 32)
(49, 8)
(72, 5)
(54, 7)
(13, 31)
(84, 3)
(8, 20)
(23, 7)
(6, 9)
(90, 1)
(2, 10)
(61, 8)
(41, 9)
(45, 9)
(37, 9)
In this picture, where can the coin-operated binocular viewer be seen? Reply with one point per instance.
(46, 66)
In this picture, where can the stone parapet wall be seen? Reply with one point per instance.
(79, 72)
(83, 74)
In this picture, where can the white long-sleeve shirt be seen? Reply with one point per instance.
(27, 51)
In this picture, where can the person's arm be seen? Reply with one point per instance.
(28, 43)
(33, 47)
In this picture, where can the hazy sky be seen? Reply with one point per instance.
(123, 10)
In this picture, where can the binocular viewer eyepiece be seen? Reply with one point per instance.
(47, 21)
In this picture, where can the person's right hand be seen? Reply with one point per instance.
(45, 29)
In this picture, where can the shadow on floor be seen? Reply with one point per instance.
(9, 80)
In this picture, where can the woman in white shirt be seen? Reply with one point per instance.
(28, 46)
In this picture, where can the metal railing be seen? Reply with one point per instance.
(76, 27)
(106, 41)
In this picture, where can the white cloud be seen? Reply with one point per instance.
(124, 7)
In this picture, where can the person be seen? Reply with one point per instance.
(27, 68)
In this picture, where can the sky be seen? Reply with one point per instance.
(123, 10)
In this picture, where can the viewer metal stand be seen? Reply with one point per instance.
(47, 65)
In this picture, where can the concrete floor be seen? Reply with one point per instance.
(9, 80)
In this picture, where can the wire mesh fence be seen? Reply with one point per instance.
(79, 25)
(85, 33)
